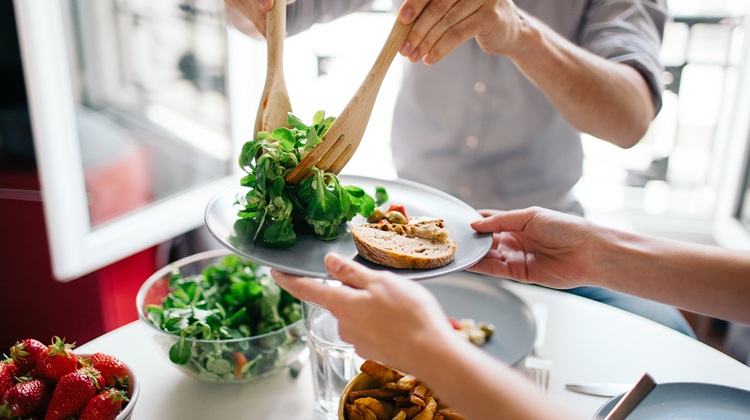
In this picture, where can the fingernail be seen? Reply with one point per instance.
(414, 55)
(479, 221)
(406, 15)
(264, 4)
(334, 262)
(406, 48)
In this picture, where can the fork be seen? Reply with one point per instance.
(537, 367)
(342, 139)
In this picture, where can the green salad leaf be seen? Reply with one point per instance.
(227, 300)
(273, 212)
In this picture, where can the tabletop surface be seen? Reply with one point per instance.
(587, 341)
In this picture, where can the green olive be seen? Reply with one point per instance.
(396, 217)
(489, 329)
(376, 216)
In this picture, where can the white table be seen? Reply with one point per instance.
(587, 342)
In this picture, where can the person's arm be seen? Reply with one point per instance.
(397, 322)
(545, 247)
(604, 98)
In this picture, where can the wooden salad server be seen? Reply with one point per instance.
(274, 102)
(342, 139)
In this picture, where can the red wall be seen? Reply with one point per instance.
(32, 302)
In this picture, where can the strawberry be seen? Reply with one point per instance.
(8, 373)
(105, 406)
(26, 399)
(71, 394)
(110, 367)
(56, 361)
(94, 374)
(25, 353)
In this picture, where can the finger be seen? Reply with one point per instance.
(250, 10)
(495, 240)
(449, 41)
(348, 272)
(309, 290)
(428, 18)
(410, 10)
(488, 212)
(509, 221)
(493, 264)
(458, 25)
(481, 267)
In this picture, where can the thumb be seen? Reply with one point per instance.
(504, 221)
(348, 271)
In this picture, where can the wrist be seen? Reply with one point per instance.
(530, 37)
(616, 252)
(448, 352)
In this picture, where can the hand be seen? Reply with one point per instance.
(536, 245)
(249, 16)
(442, 25)
(386, 317)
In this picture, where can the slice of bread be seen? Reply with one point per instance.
(422, 245)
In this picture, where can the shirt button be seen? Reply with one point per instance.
(479, 87)
(464, 192)
(472, 142)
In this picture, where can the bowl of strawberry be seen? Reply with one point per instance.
(53, 382)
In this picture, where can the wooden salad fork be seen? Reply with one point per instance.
(274, 102)
(342, 139)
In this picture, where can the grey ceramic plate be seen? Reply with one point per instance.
(687, 400)
(305, 258)
(482, 298)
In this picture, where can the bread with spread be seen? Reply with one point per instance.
(420, 244)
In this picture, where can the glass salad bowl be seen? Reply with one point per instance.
(221, 318)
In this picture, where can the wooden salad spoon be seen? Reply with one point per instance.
(342, 139)
(274, 102)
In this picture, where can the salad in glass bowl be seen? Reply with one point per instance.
(222, 318)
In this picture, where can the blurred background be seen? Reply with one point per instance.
(140, 106)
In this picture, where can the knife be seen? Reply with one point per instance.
(631, 400)
(599, 389)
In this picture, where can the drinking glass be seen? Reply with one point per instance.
(334, 362)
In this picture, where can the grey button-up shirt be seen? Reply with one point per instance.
(473, 126)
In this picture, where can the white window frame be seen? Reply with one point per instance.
(728, 230)
(76, 248)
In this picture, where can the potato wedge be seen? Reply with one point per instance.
(451, 414)
(418, 395)
(429, 411)
(379, 394)
(381, 372)
(400, 397)
(407, 383)
(400, 416)
(351, 412)
(372, 405)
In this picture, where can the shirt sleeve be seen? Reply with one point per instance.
(629, 32)
(302, 14)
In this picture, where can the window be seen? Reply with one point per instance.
(669, 183)
(131, 117)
